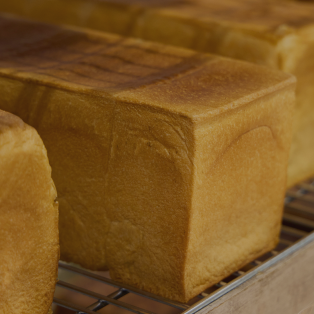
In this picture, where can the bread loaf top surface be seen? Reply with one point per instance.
(173, 79)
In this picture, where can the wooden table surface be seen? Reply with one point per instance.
(285, 288)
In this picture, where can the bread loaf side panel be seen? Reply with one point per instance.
(240, 178)
(76, 130)
(149, 199)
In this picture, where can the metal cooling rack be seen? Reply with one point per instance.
(297, 231)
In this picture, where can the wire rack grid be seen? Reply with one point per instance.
(296, 232)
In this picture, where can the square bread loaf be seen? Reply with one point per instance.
(170, 165)
(279, 34)
(29, 237)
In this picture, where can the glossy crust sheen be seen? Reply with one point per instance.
(151, 149)
(279, 34)
(29, 244)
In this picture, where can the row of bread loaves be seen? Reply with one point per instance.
(279, 34)
(170, 165)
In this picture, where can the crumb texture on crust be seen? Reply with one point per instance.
(29, 240)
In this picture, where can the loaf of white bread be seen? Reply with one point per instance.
(170, 165)
(279, 34)
(29, 240)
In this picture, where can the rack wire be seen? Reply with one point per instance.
(296, 232)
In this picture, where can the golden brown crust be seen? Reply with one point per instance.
(132, 130)
(29, 220)
(274, 33)
(108, 65)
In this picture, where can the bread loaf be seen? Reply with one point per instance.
(29, 244)
(170, 165)
(279, 34)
